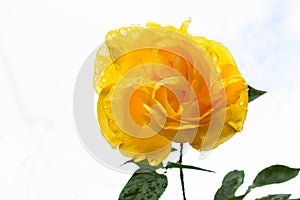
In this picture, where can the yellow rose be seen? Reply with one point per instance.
(159, 85)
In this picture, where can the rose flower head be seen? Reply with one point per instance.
(159, 85)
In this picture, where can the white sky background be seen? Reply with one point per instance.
(43, 45)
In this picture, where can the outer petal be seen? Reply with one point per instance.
(236, 95)
(155, 149)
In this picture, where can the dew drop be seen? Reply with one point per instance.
(103, 52)
(123, 31)
(112, 125)
(97, 70)
(106, 106)
(104, 80)
(109, 37)
(135, 35)
(96, 79)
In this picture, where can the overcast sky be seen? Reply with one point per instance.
(43, 44)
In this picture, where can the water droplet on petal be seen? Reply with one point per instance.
(106, 106)
(123, 31)
(135, 35)
(104, 80)
(103, 52)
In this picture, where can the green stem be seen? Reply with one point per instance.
(181, 172)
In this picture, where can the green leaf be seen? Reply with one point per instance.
(144, 164)
(127, 162)
(173, 149)
(238, 197)
(254, 93)
(181, 166)
(275, 197)
(146, 185)
(274, 174)
(231, 182)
